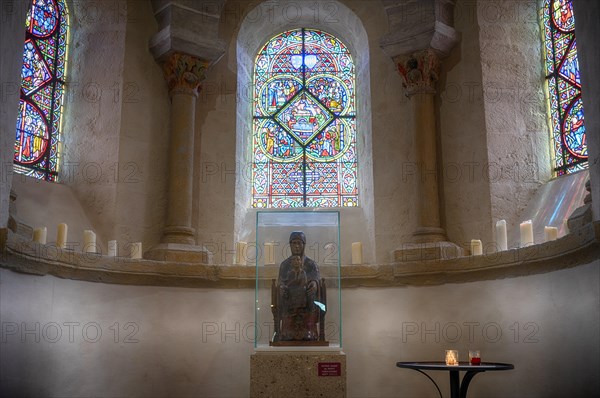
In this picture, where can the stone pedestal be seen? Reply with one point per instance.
(298, 374)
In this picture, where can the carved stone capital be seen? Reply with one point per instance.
(419, 70)
(184, 73)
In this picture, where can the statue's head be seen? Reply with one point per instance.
(297, 242)
(298, 235)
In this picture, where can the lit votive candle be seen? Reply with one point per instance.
(112, 248)
(526, 233)
(61, 235)
(39, 235)
(136, 250)
(476, 247)
(89, 241)
(550, 233)
(501, 239)
(452, 357)
(357, 253)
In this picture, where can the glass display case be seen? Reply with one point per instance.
(297, 298)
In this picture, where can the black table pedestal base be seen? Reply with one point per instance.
(458, 389)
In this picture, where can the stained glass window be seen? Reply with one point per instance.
(564, 87)
(42, 88)
(304, 123)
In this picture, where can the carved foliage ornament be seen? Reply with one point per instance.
(419, 70)
(184, 73)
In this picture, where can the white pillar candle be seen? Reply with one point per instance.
(476, 247)
(136, 250)
(112, 248)
(61, 235)
(89, 241)
(357, 253)
(39, 235)
(240, 253)
(526, 233)
(269, 253)
(550, 233)
(501, 239)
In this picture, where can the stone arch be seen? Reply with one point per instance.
(262, 23)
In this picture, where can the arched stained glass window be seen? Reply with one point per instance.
(564, 87)
(304, 123)
(42, 88)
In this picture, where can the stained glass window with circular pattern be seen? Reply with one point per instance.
(304, 123)
(564, 87)
(42, 87)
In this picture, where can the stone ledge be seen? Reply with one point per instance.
(578, 248)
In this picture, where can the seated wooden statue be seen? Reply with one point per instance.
(298, 299)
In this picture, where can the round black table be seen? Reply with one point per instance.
(458, 389)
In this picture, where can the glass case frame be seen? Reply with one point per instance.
(322, 232)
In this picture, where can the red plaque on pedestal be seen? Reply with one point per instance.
(330, 369)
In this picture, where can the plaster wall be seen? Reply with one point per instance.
(462, 125)
(494, 81)
(588, 31)
(216, 169)
(515, 107)
(86, 195)
(72, 338)
(35, 198)
(115, 132)
(11, 48)
(92, 111)
(393, 158)
(140, 176)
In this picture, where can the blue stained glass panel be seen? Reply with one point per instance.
(564, 87)
(42, 88)
(304, 123)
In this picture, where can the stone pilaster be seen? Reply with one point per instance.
(185, 44)
(420, 33)
(184, 75)
(420, 72)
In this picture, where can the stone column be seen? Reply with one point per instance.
(184, 74)
(185, 44)
(420, 34)
(420, 71)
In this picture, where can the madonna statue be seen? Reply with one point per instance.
(298, 299)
